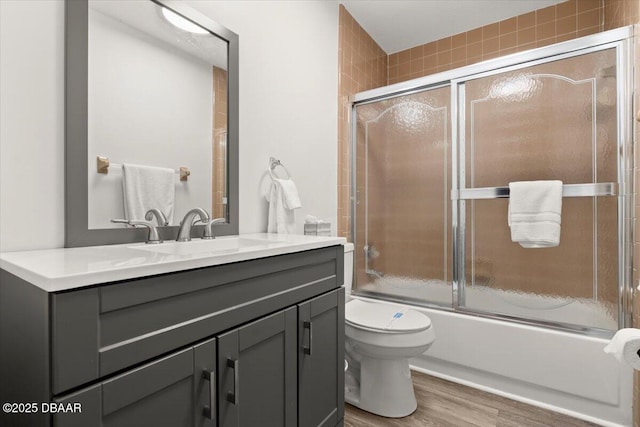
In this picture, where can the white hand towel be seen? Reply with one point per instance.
(535, 209)
(147, 187)
(290, 193)
(282, 217)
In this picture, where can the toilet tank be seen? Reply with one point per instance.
(348, 268)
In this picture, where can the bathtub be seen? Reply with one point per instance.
(561, 371)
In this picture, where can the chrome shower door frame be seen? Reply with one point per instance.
(622, 40)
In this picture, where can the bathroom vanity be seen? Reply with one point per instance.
(249, 333)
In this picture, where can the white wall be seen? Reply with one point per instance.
(288, 100)
(31, 124)
(149, 104)
(288, 109)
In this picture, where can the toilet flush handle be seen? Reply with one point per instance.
(307, 349)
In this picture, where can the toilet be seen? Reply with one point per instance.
(380, 338)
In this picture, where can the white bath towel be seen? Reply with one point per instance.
(147, 187)
(283, 200)
(535, 209)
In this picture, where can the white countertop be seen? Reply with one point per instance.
(69, 268)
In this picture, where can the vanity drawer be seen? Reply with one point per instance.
(103, 330)
(171, 391)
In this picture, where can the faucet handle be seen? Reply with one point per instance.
(153, 236)
(208, 229)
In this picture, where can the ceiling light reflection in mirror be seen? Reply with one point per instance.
(182, 23)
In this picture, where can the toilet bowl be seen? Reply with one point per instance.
(379, 339)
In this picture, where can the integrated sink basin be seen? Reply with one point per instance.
(220, 245)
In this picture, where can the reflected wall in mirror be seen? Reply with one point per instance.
(157, 97)
(149, 84)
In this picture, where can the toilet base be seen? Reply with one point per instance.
(385, 387)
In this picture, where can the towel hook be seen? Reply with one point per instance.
(273, 162)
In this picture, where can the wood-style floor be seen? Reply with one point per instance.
(442, 403)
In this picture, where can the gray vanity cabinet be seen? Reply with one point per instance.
(251, 343)
(283, 370)
(175, 391)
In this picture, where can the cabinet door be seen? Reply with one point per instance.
(321, 360)
(257, 373)
(174, 391)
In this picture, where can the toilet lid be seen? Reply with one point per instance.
(385, 317)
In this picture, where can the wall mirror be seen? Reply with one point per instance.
(148, 83)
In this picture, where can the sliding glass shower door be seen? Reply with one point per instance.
(403, 208)
(432, 165)
(551, 121)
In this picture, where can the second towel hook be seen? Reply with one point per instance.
(273, 162)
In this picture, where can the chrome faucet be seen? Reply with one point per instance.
(208, 229)
(153, 236)
(160, 217)
(184, 233)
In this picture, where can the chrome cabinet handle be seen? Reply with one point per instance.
(307, 349)
(210, 411)
(235, 396)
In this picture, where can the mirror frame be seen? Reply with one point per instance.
(77, 232)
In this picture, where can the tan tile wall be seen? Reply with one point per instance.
(219, 175)
(362, 65)
(619, 13)
(564, 21)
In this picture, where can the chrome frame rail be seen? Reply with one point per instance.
(626, 214)
(568, 190)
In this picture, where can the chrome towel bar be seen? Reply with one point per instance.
(103, 164)
(568, 190)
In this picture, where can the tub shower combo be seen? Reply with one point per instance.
(432, 159)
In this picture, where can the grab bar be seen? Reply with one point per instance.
(568, 190)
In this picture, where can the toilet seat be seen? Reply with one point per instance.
(386, 332)
(385, 318)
